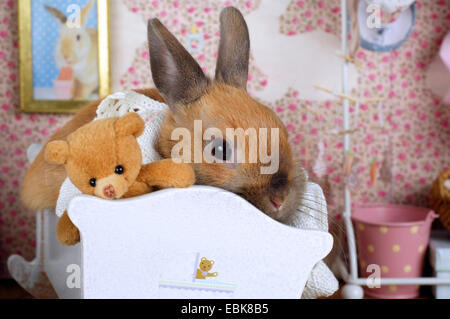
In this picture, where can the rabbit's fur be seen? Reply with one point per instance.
(221, 103)
(78, 48)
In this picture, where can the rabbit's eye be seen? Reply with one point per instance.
(92, 182)
(279, 180)
(221, 150)
(78, 37)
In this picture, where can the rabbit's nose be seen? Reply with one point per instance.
(109, 191)
(68, 59)
(277, 202)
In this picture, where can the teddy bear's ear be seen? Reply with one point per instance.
(129, 124)
(203, 259)
(57, 152)
(212, 262)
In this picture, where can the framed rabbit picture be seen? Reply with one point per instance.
(64, 54)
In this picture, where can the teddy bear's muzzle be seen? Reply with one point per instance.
(109, 191)
(111, 187)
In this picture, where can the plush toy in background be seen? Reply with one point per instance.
(439, 197)
(103, 158)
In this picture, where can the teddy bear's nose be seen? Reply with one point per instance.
(109, 191)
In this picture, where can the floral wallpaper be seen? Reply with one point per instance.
(17, 131)
(399, 145)
(406, 137)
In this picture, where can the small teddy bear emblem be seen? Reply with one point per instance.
(204, 268)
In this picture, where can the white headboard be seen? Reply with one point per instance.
(151, 246)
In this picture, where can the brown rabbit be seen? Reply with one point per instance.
(221, 103)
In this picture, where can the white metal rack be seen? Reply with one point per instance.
(353, 287)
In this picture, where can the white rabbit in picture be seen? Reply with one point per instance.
(77, 48)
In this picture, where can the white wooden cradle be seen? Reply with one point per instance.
(151, 246)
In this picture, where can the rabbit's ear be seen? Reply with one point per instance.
(61, 17)
(234, 48)
(85, 12)
(176, 74)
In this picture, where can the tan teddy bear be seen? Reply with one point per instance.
(103, 158)
(204, 268)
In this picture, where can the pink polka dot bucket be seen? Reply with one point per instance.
(395, 238)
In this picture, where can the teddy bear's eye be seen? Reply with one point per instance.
(92, 182)
(118, 169)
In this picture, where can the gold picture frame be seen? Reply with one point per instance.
(28, 103)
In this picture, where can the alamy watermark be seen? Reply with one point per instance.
(231, 149)
(374, 279)
(374, 18)
(74, 17)
(73, 279)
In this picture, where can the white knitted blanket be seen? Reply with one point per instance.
(313, 213)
